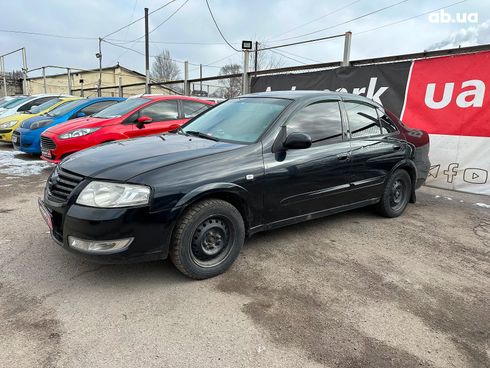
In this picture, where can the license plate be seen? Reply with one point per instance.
(15, 139)
(45, 214)
(46, 153)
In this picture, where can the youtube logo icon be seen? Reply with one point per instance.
(475, 176)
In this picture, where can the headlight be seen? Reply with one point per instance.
(8, 124)
(109, 195)
(39, 124)
(78, 133)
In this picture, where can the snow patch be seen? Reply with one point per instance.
(19, 164)
(484, 205)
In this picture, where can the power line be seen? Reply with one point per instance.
(317, 19)
(346, 22)
(287, 57)
(217, 27)
(137, 20)
(409, 18)
(48, 35)
(300, 56)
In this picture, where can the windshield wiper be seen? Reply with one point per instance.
(180, 131)
(201, 135)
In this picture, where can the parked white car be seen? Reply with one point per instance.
(21, 105)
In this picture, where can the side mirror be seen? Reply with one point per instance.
(297, 141)
(81, 114)
(142, 120)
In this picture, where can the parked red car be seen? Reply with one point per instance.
(135, 117)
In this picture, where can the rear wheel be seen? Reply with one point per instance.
(207, 239)
(396, 194)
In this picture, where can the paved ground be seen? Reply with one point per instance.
(354, 290)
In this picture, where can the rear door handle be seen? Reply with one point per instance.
(343, 156)
(396, 147)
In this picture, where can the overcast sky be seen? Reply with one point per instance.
(270, 22)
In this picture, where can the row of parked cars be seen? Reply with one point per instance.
(55, 126)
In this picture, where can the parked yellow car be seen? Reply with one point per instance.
(12, 122)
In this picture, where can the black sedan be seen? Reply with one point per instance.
(249, 164)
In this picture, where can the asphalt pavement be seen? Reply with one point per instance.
(351, 290)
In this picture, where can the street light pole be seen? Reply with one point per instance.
(4, 76)
(99, 56)
(147, 54)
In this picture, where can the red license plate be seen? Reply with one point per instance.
(45, 214)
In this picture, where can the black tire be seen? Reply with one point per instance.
(396, 194)
(207, 239)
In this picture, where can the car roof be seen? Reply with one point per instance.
(310, 94)
(166, 97)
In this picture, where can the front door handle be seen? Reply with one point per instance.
(396, 147)
(343, 156)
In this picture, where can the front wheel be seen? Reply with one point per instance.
(207, 239)
(396, 194)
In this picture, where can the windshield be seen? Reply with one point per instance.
(44, 106)
(65, 108)
(122, 108)
(15, 102)
(240, 120)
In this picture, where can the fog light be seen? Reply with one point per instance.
(99, 246)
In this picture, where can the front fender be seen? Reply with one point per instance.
(236, 194)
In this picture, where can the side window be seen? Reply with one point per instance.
(35, 102)
(96, 107)
(161, 111)
(363, 120)
(387, 125)
(321, 121)
(193, 108)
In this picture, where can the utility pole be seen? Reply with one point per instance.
(99, 56)
(4, 77)
(347, 46)
(24, 70)
(147, 53)
(245, 72)
(256, 61)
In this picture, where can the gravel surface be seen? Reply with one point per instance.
(351, 290)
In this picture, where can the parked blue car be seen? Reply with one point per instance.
(27, 137)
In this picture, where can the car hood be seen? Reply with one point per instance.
(17, 117)
(28, 122)
(122, 160)
(85, 122)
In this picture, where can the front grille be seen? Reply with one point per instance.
(16, 142)
(61, 184)
(47, 143)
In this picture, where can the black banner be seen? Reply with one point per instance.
(384, 83)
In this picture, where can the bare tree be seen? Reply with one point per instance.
(232, 86)
(164, 68)
(267, 60)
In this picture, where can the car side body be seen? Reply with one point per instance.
(10, 123)
(106, 129)
(270, 186)
(29, 133)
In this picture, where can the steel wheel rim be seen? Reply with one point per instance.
(212, 241)
(398, 194)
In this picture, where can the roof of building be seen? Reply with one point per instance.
(77, 71)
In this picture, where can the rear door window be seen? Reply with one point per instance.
(321, 121)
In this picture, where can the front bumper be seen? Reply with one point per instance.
(151, 231)
(6, 135)
(27, 141)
